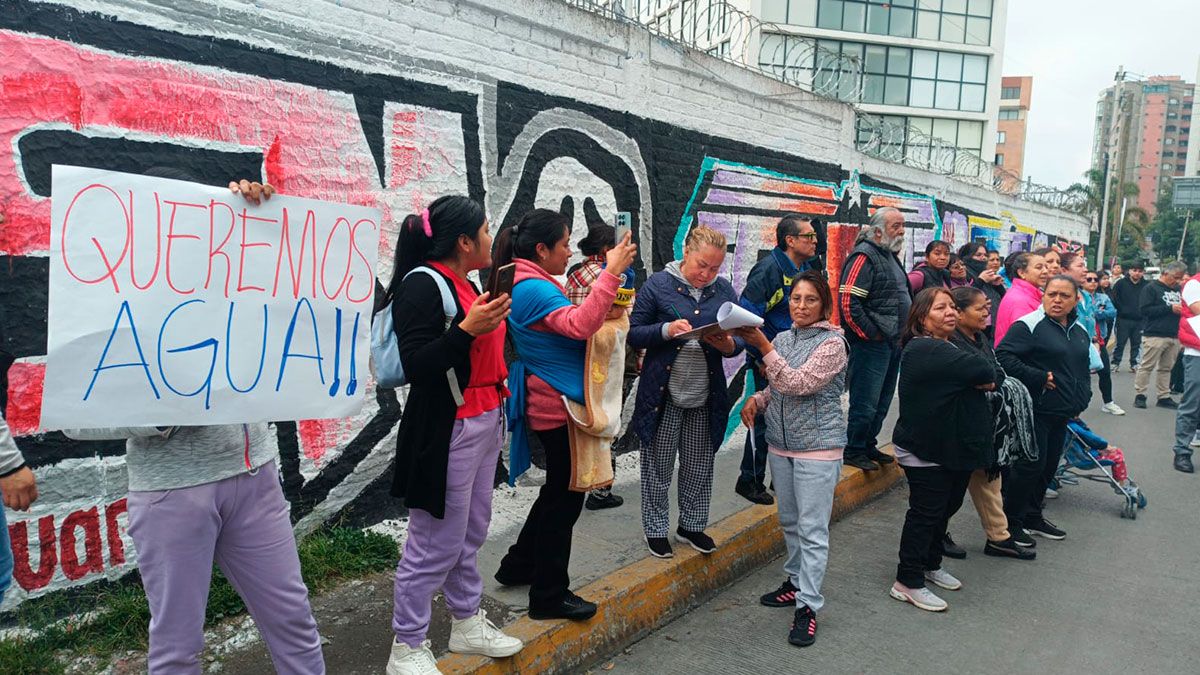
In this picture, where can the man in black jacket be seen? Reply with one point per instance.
(1126, 295)
(1160, 308)
(1048, 352)
(873, 300)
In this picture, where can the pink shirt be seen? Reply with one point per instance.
(1021, 299)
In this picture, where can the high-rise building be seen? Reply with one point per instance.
(1015, 95)
(1143, 128)
(930, 68)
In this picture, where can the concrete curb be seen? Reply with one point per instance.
(638, 598)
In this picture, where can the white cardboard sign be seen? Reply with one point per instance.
(175, 303)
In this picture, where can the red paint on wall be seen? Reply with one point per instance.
(116, 546)
(839, 242)
(25, 384)
(23, 572)
(93, 547)
(318, 437)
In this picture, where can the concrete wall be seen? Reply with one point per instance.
(515, 102)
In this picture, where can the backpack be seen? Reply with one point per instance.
(385, 350)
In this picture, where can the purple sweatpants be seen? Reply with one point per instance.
(441, 554)
(242, 523)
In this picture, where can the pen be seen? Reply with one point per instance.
(676, 312)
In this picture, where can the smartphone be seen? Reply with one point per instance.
(624, 225)
(501, 280)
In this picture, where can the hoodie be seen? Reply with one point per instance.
(1018, 301)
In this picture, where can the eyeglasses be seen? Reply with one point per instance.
(1091, 280)
(804, 235)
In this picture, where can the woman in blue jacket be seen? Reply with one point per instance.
(682, 401)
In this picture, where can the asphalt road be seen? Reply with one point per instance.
(1116, 596)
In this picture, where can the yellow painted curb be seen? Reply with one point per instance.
(638, 598)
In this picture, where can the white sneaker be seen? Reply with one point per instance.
(1112, 408)
(1195, 440)
(944, 579)
(920, 597)
(477, 635)
(1051, 493)
(406, 660)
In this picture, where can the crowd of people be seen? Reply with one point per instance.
(991, 358)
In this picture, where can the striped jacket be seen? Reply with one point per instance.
(874, 295)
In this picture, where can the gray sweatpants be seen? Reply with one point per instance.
(804, 494)
(1187, 418)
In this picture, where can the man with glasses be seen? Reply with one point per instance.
(766, 294)
(1105, 312)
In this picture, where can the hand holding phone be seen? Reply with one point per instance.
(502, 279)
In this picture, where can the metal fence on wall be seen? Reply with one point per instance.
(724, 31)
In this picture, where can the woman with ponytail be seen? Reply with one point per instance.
(550, 335)
(452, 430)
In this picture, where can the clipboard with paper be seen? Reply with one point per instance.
(729, 317)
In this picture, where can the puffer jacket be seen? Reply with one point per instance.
(812, 420)
(872, 301)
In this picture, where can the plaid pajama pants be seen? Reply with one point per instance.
(684, 431)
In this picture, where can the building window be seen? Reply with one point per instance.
(1010, 92)
(1173, 101)
(1168, 154)
(960, 21)
(1010, 113)
(1170, 141)
(899, 76)
(999, 160)
(1001, 137)
(916, 136)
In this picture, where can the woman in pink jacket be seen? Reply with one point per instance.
(1029, 274)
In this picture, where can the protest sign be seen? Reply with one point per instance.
(173, 303)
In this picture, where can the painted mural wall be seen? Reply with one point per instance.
(89, 89)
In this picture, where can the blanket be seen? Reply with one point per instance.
(594, 424)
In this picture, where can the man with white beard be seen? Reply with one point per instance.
(873, 300)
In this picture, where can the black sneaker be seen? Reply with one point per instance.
(660, 547)
(697, 540)
(861, 462)
(881, 458)
(1168, 403)
(951, 549)
(1021, 538)
(752, 493)
(1046, 529)
(804, 627)
(1008, 548)
(571, 607)
(507, 577)
(784, 596)
(602, 499)
(1139, 401)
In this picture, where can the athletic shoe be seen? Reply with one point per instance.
(784, 596)
(1046, 529)
(510, 578)
(406, 660)
(571, 607)
(1139, 401)
(951, 549)
(1195, 440)
(697, 540)
(1113, 409)
(1133, 369)
(477, 635)
(1021, 538)
(1168, 403)
(943, 578)
(920, 597)
(881, 458)
(1051, 493)
(1008, 548)
(660, 547)
(602, 499)
(804, 627)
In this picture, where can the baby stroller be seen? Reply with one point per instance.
(1087, 451)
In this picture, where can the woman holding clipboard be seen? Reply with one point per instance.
(682, 402)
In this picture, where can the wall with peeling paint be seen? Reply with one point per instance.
(518, 103)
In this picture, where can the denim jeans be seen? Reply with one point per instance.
(871, 378)
(1128, 331)
(6, 556)
(1188, 416)
(754, 459)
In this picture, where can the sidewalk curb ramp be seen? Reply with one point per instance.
(645, 595)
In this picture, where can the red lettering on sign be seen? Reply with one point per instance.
(47, 554)
(116, 546)
(93, 560)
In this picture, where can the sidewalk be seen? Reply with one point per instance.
(609, 565)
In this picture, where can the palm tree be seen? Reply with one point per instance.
(1089, 197)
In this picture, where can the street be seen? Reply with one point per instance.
(1116, 596)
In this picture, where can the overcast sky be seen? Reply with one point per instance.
(1072, 49)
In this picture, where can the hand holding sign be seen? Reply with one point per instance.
(176, 303)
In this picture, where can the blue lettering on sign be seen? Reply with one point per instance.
(206, 386)
(123, 311)
(337, 354)
(262, 356)
(352, 386)
(287, 343)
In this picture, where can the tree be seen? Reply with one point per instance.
(1167, 228)
(1131, 233)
